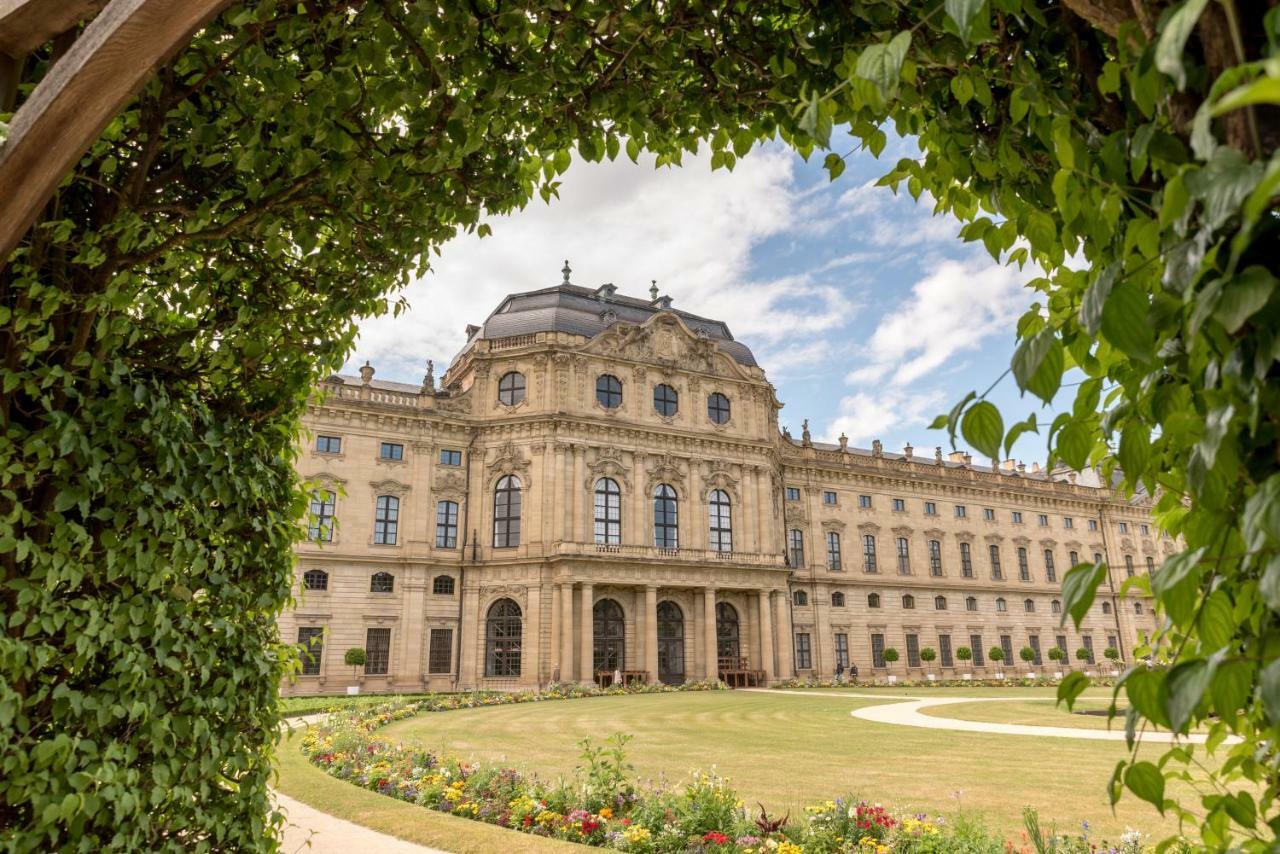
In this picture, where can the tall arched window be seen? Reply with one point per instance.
(608, 512)
(994, 551)
(727, 645)
(1050, 571)
(904, 556)
(386, 519)
(935, 557)
(315, 579)
(502, 633)
(721, 519)
(511, 388)
(670, 643)
(666, 518)
(873, 600)
(506, 513)
(609, 636)
(609, 391)
(323, 502)
(869, 552)
(382, 582)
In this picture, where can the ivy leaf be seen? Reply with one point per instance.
(1079, 586)
(1124, 320)
(983, 428)
(962, 13)
(1038, 364)
(1177, 583)
(1145, 780)
(1173, 39)
(882, 63)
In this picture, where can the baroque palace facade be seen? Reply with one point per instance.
(599, 486)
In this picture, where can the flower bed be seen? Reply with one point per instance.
(603, 806)
(1041, 681)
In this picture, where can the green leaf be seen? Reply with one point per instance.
(1270, 585)
(1017, 431)
(1187, 683)
(882, 63)
(1215, 625)
(1073, 444)
(1079, 586)
(1261, 520)
(1146, 691)
(1135, 449)
(1038, 364)
(983, 428)
(1231, 686)
(1173, 39)
(1042, 233)
(1224, 183)
(1265, 90)
(1124, 320)
(962, 13)
(962, 88)
(1071, 686)
(1269, 689)
(1243, 297)
(1177, 584)
(1145, 780)
(1095, 298)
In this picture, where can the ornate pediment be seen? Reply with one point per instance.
(608, 463)
(664, 340)
(869, 528)
(964, 536)
(1126, 544)
(325, 479)
(1048, 543)
(794, 513)
(460, 403)
(389, 487)
(510, 459)
(903, 531)
(666, 469)
(720, 478)
(994, 538)
(833, 525)
(1021, 541)
(450, 484)
(934, 533)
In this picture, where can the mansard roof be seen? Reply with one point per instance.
(583, 311)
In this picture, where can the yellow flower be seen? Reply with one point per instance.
(606, 813)
(635, 833)
(790, 848)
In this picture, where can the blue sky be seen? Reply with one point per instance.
(868, 313)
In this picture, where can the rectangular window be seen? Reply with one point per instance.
(440, 655)
(996, 572)
(386, 519)
(1050, 571)
(1006, 645)
(804, 658)
(989, 514)
(1044, 521)
(1111, 641)
(944, 650)
(864, 501)
(966, 561)
(1097, 557)
(391, 451)
(913, 650)
(1068, 522)
(1124, 527)
(795, 543)
(328, 444)
(311, 648)
(446, 524)
(971, 603)
(935, 558)
(833, 551)
(1093, 524)
(975, 647)
(1151, 565)
(323, 505)
(793, 493)
(1128, 565)
(1061, 641)
(930, 508)
(1017, 517)
(1146, 529)
(377, 652)
(1087, 642)
(842, 651)
(450, 458)
(899, 506)
(829, 498)
(877, 650)
(961, 511)
(1073, 558)
(869, 552)
(1034, 642)
(1024, 571)
(904, 556)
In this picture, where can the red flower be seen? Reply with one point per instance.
(715, 838)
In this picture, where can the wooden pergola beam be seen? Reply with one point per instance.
(108, 64)
(27, 24)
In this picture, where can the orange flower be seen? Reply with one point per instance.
(606, 813)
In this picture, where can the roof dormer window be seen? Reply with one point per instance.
(606, 291)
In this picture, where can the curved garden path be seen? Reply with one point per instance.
(905, 710)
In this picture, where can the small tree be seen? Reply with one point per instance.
(928, 654)
(1028, 655)
(1058, 654)
(964, 653)
(996, 654)
(890, 655)
(1112, 653)
(1084, 654)
(356, 658)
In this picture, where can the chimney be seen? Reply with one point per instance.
(968, 459)
(957, 456)
(1022, 469)
(1035, 468)
(1009, 465)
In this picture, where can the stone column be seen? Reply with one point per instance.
(587, 637)
(786, 642)
(531, 647)
(566, 633)
(651, 633)
(766, 636)
(556, 645)
(711, 669)
(575, 487)
(468, 671)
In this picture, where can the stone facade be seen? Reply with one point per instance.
(427, 555)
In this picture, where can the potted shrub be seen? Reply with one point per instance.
(1058, 655)
(1028, 655)
(1113, 655)
(928, 655)
(965, 654)
(890, 656)
(356, 658)
(996, 654)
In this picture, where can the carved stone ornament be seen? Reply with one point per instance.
(935, 533)
(964, 536)
(1048, 544)
(450, 484)
(720, 478)
(902, 531)
(489, 595)
(1126, 544)
(869, 528)
(833, 525)
(795, 514)
(511, 460)
(666, 469)
(460, 403)
(994, 538)
(1021, 541)
(389, 487)
(608, 463)
(325, 479)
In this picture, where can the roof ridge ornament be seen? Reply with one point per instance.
(653, 289)
(566, 270)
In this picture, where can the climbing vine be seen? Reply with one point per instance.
(292, 167)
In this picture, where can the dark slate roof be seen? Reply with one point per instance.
(583, 311)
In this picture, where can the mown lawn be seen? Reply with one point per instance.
(787, 750)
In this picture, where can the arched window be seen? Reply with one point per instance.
(1001, 605)
(609, 391)
(1106, 607)
(386, 519)
(939, 603)
(1050, 571)
(721, 518)
(966, 561)
(837, 600)
(502, 632)
(666, 518)
(670, 643)
(873, 600)
(315, 579)
(1024, 570)
(608, 512)
(718, 408)
(609, 637)
(935, 557)
(909, 602)
(971, 603)
(801, 598)
(1073, 557)
(442, 585)
(1028, 605)
(506, 513)
(904, 556)
(795, 547)
(446, 524)
(869, 552)
(1055, 607)
(511, 388)
(382, 582)
(1137, 607)
(727, 645)
(666, 400)
(323, 502)
(994, 551)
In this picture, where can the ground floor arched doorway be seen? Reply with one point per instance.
(670, 644)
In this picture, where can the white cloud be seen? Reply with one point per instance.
(891, 415)
(950, 311)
